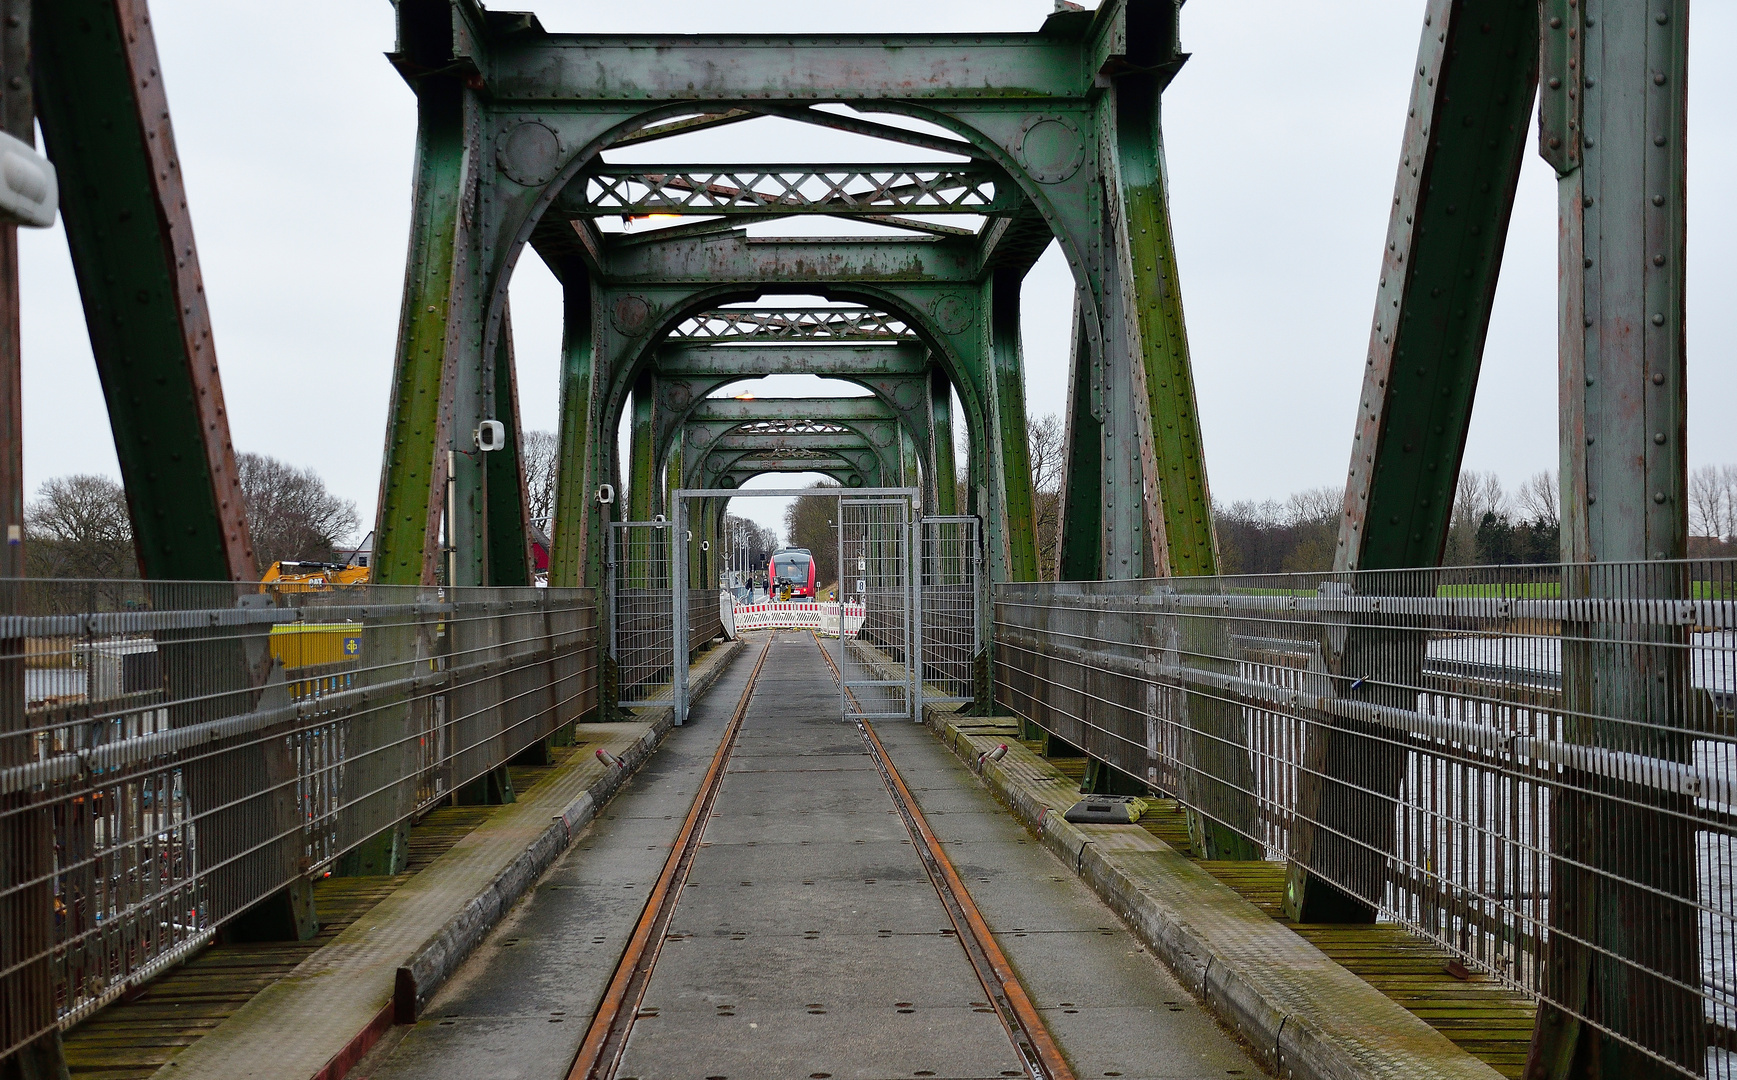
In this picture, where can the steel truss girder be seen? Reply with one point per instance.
(105, 118)
(1051, 139)
(929, 188)
(793, 324)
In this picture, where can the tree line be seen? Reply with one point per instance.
(78, 526)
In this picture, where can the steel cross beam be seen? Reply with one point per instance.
(929, 188)
(717, 455)
(844, 361)
(737, 257)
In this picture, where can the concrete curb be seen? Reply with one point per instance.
(436, 959)
(1305, 1016)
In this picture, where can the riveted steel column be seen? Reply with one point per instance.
(413, 474)
(945, 474)
(1155, 422)
(509, 547)
(1170, 450)
(580, 520)
(911, 471)
(1079, 554)
(644, 495)
(1624, 961)
(105, 118)
(1010, 521)
(1465, 137)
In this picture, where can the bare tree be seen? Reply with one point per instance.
(1048, 459)
(541, 452)
(78, 527)
(291, 514)
(1539, 499)
(808, 522)
(1476, 495)
(1728, 477)
(1707, 500)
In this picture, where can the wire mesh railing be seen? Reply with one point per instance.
(947, 602)
(642, 603)
(1536, 767)
(173, 753)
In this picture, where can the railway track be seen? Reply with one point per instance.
(600, 1054)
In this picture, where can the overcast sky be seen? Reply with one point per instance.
(296, 140)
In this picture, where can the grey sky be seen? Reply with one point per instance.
(1282, 132)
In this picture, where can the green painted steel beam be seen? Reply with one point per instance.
(840, 360)
(105, 119)
(642, 494)
(738, 258)
(1465, 136)
(977, 68)
(1080, 554)
(1015, 517)
(944, 474)
(1626, 980)
(509, 547)
(831, 409)
(852, 439)
(579, 519)
(413, 474)
(1164, 376)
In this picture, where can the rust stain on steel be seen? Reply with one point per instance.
(170, 195)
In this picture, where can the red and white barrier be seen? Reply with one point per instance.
(798, 615)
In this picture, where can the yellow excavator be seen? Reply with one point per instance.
(287, 576)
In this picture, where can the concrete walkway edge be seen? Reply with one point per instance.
(435, 961)
(1306, 1016)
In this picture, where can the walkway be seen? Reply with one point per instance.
(808, 941)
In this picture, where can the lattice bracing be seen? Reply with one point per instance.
(816, 189)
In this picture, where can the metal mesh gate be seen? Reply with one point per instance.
(952, 558)
(641, 600)
(874, 569)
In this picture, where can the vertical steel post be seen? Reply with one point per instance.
(413, 474)
(643, 494)
(1624, 965)
(946, 469)
(1013, 535)
(509, 533)
(581, 522)
(913, 529)
(27, 1008)
(1079, 554)
(678, 555)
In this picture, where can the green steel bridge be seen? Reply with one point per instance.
(1391, 819)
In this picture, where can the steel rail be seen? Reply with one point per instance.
(1013, 1007)
(600, 1053)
